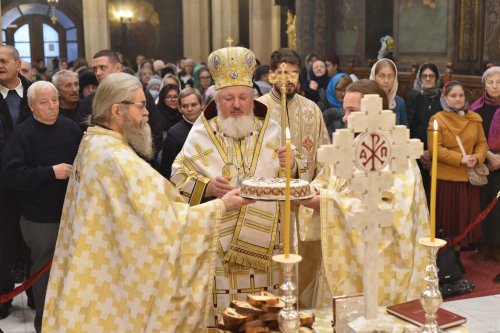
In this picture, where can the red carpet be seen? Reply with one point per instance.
(481, 275)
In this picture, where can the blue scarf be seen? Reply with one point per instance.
(330, 91)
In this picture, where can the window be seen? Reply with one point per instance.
(22, 42)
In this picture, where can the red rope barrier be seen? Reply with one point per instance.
(471, 226)
(26, 284)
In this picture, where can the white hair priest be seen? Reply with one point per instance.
(131, 256)
(235, 129)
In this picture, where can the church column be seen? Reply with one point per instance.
(1, 23)
(225, 22)
(95, 26)
(195, 24)
(264, 28)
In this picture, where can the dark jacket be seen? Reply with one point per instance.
(176, 136)
(6, 124)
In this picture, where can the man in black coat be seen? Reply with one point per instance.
(13, 110)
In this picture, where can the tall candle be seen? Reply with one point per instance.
(434, 180)
(287, 195)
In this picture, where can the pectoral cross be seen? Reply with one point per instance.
(283, 78)
(369, 161)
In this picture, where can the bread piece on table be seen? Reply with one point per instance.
(269, 316)
(262, 298)
(254, 326)
(306, 318)
(245, 308)
(232, 319)
(274, 308)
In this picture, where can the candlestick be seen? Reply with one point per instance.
(434, 180)
(287, 194)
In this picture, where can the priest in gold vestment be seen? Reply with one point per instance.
(238, 131)
(401, 260)
(308, 133)
(131, 256)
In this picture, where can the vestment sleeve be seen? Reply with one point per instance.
(191, 184)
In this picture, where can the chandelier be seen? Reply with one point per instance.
(52, 5)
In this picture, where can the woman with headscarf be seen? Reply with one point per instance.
(335, 93)
(488, 107)
(168, 107)
(385, 72)
(421, 105)
(457, 201)
(202, 80)
(315, 90)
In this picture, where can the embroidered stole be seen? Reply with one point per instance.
(246, 237)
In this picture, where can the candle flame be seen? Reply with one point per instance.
(287, 134)
(435, 125)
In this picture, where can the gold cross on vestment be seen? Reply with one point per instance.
(274, 146)
(230, 41)
(202, 154)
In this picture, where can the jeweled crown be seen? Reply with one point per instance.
(231, 66)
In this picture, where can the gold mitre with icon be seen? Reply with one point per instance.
(232, 66)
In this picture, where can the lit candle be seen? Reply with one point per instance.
(287, 195)
(434, 180)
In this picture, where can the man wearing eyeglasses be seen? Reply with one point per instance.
(104, 63)
(130, 256)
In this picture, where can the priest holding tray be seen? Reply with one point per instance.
(238, 130)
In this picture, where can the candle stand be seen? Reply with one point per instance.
(288, 317)
(431, 297)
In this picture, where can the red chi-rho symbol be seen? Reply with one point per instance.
(372, 151)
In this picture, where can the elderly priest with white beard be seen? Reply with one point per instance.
(131, 256)
(235, 128)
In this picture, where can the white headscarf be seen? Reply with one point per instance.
(391, 96)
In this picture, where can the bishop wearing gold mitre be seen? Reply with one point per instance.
(235, 129)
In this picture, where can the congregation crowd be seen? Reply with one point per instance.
(47, 119)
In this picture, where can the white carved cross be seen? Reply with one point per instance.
(369, 161)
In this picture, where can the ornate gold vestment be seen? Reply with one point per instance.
(131, 256)
(401, 259)
(249, 238)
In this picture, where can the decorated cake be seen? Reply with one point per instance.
(274, 188)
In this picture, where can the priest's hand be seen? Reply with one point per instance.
(62, 170)
(282, 157)
(219, 186)
(233, 201)
(313, 203)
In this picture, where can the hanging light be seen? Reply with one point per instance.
(52, 5)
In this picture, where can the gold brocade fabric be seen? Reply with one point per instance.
(401, 260)
(250, 237)
(131, 256)
(307, 128)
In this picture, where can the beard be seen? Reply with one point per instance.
(139, 137)
(237, 127)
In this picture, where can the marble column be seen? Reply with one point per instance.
(225, 22)
(195, 24)
(95, 27)
(264, 28)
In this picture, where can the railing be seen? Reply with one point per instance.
(472, 83)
